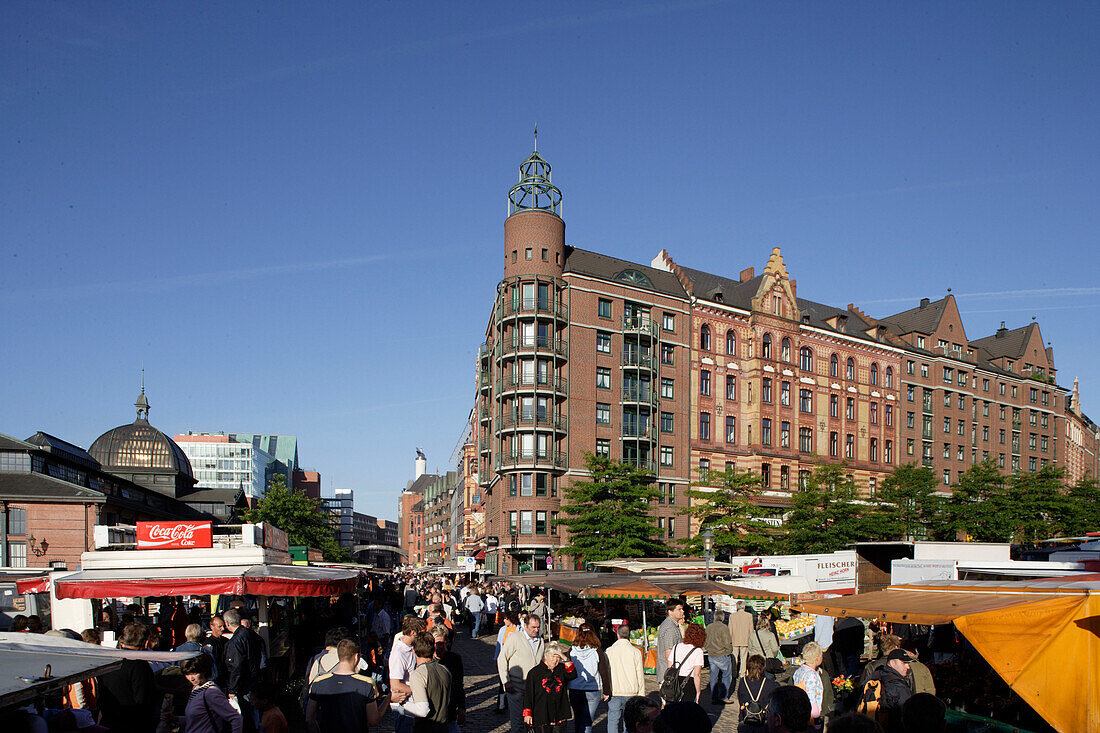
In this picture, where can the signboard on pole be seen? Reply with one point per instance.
(174, 535)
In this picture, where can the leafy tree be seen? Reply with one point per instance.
(907, 505)
(1083, 514)
(724, 504)
(608, 516)
(827, 515)
(979, 508)
(299, 516)
(1038, 503)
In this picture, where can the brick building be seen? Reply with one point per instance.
(410, 513)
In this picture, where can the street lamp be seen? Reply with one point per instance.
(708, 545)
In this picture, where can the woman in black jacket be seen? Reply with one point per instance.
(546, 697)
(754, 692)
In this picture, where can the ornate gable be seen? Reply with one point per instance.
(776, 294)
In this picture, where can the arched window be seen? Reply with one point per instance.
(766, 347)
(874, 373)
(850, 370)
(786, 350)
(834, 366)
(704, 338)
(806, 359)
(889, 377)
(731, 343)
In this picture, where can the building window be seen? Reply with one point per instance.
(604, 306)
(17, 554)
(874, 450)
(889, 415)
(668, 322)
(850, 369)
(666, 422)
(947, 399)
(910, 420)
(666, 388)
(766, 389)
(874, 373)
(704, 426)
(784, 478)
(924, 370)
(545, 255)
(731, 429)
(704, 469)
(805, 400)
(603, 413)
(513, 527)
(947, 425)
(959, 453)
(671, 527)
(603, 377)
(909, 445)
(948, 375)
(805, 440)
(540, 522)
(889, 378)
(785, 350)
(526, 485)
(666, 455)
(803, 480)
(731, 387)
(766, 347)
(834, 444)
(667, 350)
(962, 401)
(603, 342)
(947, 450)
(704, 338)
(909, 392)
(850, 408)
(985, 385)
(888, 451)
(525, 523)
(920, 342)
(17, 521)
(672, 492)
(704, 382)
(849, 446)
(834, 366)
(909, 366)
(540, 484)
(961, 428)
(785, 394)
(834, 406)
(603, 447)
(1043, 443)
(766, 431)
(529, 254)
(784, 434)
(766, 475)
(806, 359)
(731, 343)
(947, 476)
(874, 413)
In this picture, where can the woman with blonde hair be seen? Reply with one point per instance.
(807, 677)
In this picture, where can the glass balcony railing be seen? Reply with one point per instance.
(532, 306)
(643, 326)
(536, 382)
(635, 359)
(521, 344)
(531, 458)
(643, 395)
(639, 431)
(515, 420)
(642, 464)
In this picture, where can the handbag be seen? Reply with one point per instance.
(672, 687)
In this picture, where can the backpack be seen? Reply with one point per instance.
(303, 696)
(870, 702)
(672, 687)
(753, 712)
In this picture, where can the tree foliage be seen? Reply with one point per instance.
(608, 516)
(828, 515)
(907, 506)
(725, 503)
(299, 516)
(1084, 507)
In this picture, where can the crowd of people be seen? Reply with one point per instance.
(392, 653)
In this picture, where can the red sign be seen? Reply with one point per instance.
(174, 535)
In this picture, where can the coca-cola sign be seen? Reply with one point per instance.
(174, 535)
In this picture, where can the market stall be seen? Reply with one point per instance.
(1032, 633)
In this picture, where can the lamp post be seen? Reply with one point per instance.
(708, 545)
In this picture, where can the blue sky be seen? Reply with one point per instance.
(292, 214)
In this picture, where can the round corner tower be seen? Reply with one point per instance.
(534, 232)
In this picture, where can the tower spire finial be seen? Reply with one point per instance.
(142, 403)
(536, 137)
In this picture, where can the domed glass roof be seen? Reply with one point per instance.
(139, 445)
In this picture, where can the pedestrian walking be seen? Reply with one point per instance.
(754, 692)
(669, 634)
(719, 648)
(688, 656)
(741, 628)
(343, 701)
(208, 709)
(546, 705)
(521, 653)
(402, 663)
(627, 677)
(593, 681)
(431, 688)
(475, 605)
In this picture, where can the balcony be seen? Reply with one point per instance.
(641, 464)
(533, 382)
(484, 413)
(532, 306)
(640, 395)
(484, 350)
(484, 379)
(639, 431)
(531, 459)
(642, 361)
(519, 344)
(641, 326)
(515, 420)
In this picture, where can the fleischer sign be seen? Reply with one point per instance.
(174, 535)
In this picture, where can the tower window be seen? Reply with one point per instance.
(529, 253)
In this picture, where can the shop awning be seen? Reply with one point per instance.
(480, 555)
(36, 584)
(614, 585)
(1030, 632)
(262, 580)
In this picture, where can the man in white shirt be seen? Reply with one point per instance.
(491, 606)
(627, 677)
(518, 656)
(475, 605)
(382, 626)
(402, 664)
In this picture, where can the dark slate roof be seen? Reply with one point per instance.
(1008, 343)
(139, 438)
(922, 319)
(32, 486)
(229, 497)
(740, 294)
(583, 262)
(64, 448)
(9, 443)
(422, 483)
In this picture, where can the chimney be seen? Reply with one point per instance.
(924, 302)
(748, 274)
(1002, 330)
(421, 464)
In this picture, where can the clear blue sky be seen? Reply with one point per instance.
(291, 213)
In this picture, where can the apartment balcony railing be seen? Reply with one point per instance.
(642, 464)
(536, 344)
(484, 350)
(511, 421)
(640, 326)
(533, 306)
(484, 379)
(635, 359)
(639, 431)
(535, 382)
(532, 459)
(641, 395)
(484, 413)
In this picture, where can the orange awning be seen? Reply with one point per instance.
(1031, 635)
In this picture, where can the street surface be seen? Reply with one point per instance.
(482, 686)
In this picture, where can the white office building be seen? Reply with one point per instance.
(221, 463)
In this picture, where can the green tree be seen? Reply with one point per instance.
(979, 508)
(608, 515)
(299, 516)
(724, 503)
(1040, 507)
(1083, 514)
(827, 514)
(907, 506)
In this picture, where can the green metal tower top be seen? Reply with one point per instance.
(534, 190)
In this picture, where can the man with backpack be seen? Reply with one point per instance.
(887, 691)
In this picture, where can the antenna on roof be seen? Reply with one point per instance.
(536, 137)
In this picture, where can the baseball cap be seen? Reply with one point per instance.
(900, 654)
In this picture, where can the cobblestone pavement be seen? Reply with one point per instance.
(482, 686)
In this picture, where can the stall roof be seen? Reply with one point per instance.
(610, 585)
(659, 565)
(1030, 632)
(261, 580)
